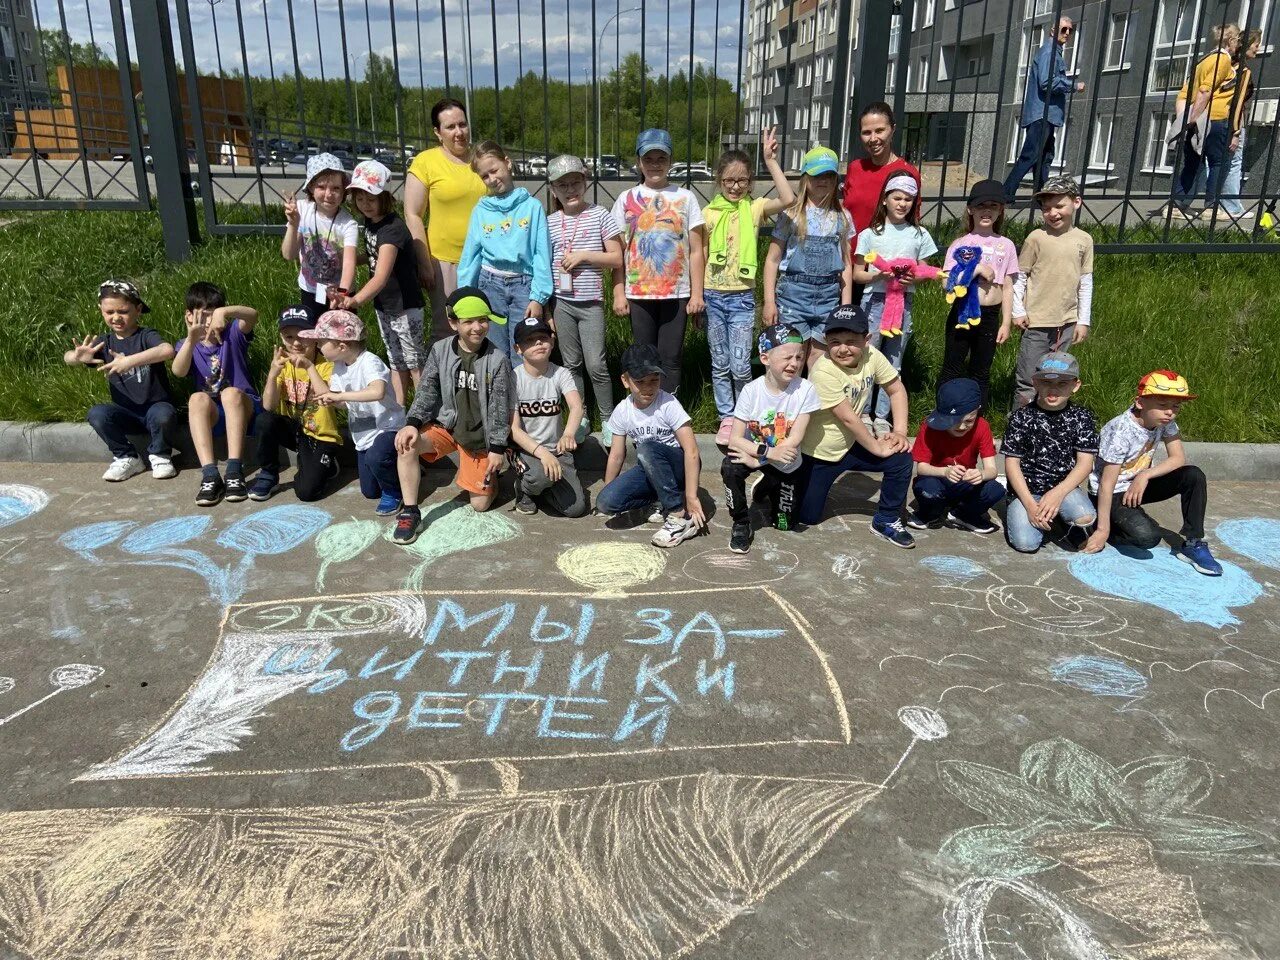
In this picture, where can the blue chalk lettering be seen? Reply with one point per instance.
(504, 666)
(372, 668)
(657, 619)
(722, 677)
(549, 713)
(276, 666)
(712, 627)
(648, 675)
(448, 609)
(755, 634)
(630, 723)
(464, 658)
(500, 701)
(562, 631)
(420, 710)
(378, 719)
(579, 672)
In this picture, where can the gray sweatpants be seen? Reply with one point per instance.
(565, 496)
(580, 330)
(1036, 342)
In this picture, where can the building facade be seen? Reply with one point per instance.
(20, 64)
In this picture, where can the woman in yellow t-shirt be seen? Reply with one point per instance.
(439, 193)
(1211, 99)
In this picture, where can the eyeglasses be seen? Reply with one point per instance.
(737, 182)
(1066, 30)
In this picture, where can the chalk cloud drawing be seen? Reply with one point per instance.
(1257, 538)
(1100, 676)
(765, 564)
(955, 568)
(610, 569)
(453, 527)
(343, 541)
(19, 501)
(70, 676)
(1163, 581)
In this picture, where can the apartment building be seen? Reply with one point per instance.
(19, 61)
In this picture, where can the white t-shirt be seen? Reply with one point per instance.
(658, 421)
(769, 416)
(321, 242)
(538, 402)
(657, 227)
(1126, 442)
(368, 418)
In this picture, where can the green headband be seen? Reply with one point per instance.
(473, 308)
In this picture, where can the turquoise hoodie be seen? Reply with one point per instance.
(509, 233)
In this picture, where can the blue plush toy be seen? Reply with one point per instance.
(959, 285)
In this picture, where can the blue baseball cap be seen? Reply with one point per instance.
(820, 160)
(956, 400)
(653, 139)
(1057, 365)
(776, 336)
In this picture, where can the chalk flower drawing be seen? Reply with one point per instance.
(70, 676)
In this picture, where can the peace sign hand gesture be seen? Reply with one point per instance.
(769, 141)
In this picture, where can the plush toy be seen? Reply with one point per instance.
(895, 301)
(959, 285)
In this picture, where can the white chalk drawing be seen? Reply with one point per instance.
(925, 724)
(764, 564)
(6, 684)
(969, 929)
(1259, 704)
(846, 567)
(19, 501)
(70, 676)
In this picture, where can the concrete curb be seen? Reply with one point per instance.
(77, 443)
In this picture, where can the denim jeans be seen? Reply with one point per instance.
(804, 302)
(1215, 155)
(1037, 154)
(938, 496)
(657, 475)
(1231, 186)
(508, 297)
(731, 321)
(817, 477)
(113, 423)
(580, 333)
(1024, 537)
(377, 467)
(893, 348)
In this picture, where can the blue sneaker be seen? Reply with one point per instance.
(263, 484)
(1196, 553)
(388, 505)
(894, 532)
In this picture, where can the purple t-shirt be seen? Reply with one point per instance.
(223, 365)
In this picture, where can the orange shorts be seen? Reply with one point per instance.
(471, 466)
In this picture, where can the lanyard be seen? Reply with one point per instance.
(577, 222)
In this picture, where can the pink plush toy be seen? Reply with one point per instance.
(895, 271)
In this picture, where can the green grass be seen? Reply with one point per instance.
(1213, 317)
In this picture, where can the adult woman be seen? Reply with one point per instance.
(865, 179)
(1240, 121)
(439, 193)
(1212, 97)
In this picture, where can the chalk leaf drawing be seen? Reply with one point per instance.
(344, 541)
(1257, 538)
(453, 527)
(19, 501)
(91, 537)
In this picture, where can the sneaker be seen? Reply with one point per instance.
(210, 492)
(894, 532)
(740, 539)
(677, 529)
(983, 524)
(263, 486)
(657, 516)
(161, 467)
(917, 522)
(525, 504)
(726, 428)
(388, 504)
(407, 522)
(606, 436)
(122, 468)
(236, 490)
(583, 431)
(881, 427)
(1196, 553)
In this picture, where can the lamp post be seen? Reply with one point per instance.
(355, 59)
(595, 59)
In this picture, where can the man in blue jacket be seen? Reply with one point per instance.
(1044, 109)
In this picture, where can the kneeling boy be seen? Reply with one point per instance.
(951, 485)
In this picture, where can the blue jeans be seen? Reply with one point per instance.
(377, 467)
(1214, 157)
(937, 496)
(817, 476)
(508, 297)
(893, 348)
(1231, 186)
(1026, 538)
(657, 475)
(113, 423)
(804, 302)
(1037, 154)
(731, 321)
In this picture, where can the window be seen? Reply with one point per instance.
(891, 77)
(1100, 146)
(1039, 8)
(26, 40)
(1071, 52)
(1032, 40)
(826, 116)
(1159, 154)
(1263, 21)
(1174, 41)
(945, 67)
(922, 75)
(31, 73)
(1059, 144)
(1117, 37)
(895, 33)
(928, 12)
(831, 65)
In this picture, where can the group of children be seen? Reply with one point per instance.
(837, 316)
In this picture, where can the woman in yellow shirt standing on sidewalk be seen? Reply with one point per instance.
(1211, 103)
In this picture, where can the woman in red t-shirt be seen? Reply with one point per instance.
(864, 182)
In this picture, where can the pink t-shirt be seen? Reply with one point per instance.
(998, 252)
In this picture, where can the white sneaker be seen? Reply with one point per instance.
(161, 467)
(657, 516)
(677, 529)
(122, 468)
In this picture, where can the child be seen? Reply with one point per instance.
(585, 240)
(393, 276)
(1053, 295)
(1125, 476)
(951, 485)
(1048, 449)
(808, 271)
(293, 416)
(769, 424)
(895, 232)
(359, 382)
(733, 222)
(969, 351)
(544, 458)
(133, 359)
(464, 403)
(320, 235)
(667, 464)
(838, 441)
(215, 353)
(661, 285)
(507, 254)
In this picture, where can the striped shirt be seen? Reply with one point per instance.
(585, 233)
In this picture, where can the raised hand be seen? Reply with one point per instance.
(291, 208)
(769, 143)
(86, 351)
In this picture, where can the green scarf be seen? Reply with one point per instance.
(718, 245)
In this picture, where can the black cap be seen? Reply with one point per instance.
(956, 400)
(641, 360)
(986, 191)
(848, 316)
(531, 327)
(297, 316)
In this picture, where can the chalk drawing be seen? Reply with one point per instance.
(966, 920)
(1165, 582)
(1257, 538)
(344, 541)
(1100, 676)
(955, 568)
(925, 724)
(1044, 609)
(964, 686)
(765, 564)
(19, 501)
(6, 684)
(91, 537)
(453, 527)
(846, 567)
(71, 676)
(1260, 704)
(936, 663)
(610, 569)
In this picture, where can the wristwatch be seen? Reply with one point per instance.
(762, 453)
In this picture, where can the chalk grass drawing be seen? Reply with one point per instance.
(1257, 538)
(70, 676)
(343, 541)
(19, 501)
(453, 527)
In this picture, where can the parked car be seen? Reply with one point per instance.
(699, 172)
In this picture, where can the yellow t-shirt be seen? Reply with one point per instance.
(726, 278)
(1217, 74)
(827, 438)
(1053, 267)
(453, 189)
(297, 402)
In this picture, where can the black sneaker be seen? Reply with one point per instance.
(263, 486)
(740, 539)
(917, 522)
(210, 492)
(525, 504)
(407, 523)
(982, 524)
(235, 489)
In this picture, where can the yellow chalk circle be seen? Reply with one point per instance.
(611, 568)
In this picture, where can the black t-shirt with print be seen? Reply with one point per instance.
(468, 432)
(402, 291)
(142, 386)
(1046, 443)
